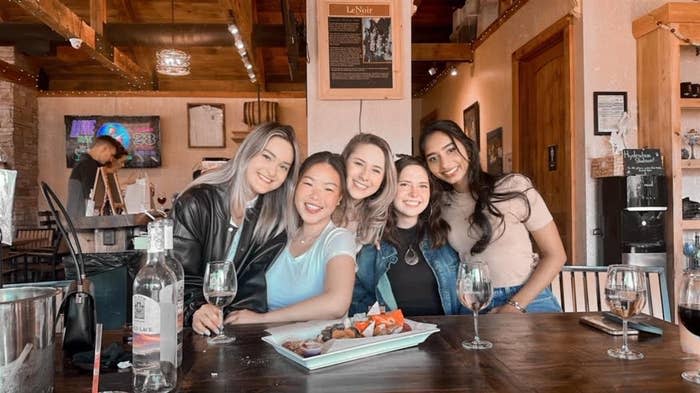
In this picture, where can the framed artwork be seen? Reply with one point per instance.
(471, 122)
(608, 107)
(359, 43)
(205, 125)
(494, 151)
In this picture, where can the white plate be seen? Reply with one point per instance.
(365, 346)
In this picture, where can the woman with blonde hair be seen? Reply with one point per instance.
(238, 212)
(371, 184)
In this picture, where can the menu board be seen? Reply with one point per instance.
(642, 162)
(140, 136)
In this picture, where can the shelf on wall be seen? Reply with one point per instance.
(691, 225)
(690, 103)
(690, 164)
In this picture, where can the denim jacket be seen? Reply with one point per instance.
(372, 282)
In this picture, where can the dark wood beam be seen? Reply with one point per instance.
(442, 52)
(14, 74)
(69, 25)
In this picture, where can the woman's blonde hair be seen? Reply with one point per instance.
(277, 213)
(372, 210)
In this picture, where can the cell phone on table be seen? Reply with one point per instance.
(606, 325)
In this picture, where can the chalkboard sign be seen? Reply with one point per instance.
(140, 136)
(642, 162)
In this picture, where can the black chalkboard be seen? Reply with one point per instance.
(642, 162)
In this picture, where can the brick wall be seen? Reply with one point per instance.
(19, 141)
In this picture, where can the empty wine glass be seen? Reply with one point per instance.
(689, 312)
(220, 287)
(626, 294)
(475, 292)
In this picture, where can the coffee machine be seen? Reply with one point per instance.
(633, 210)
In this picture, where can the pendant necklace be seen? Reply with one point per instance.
(410, 257)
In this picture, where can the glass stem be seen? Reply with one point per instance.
(476, 326)
(625, 348)
(221, 327)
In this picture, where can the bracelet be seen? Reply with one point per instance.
(516, 305)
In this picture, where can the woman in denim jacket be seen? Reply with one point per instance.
(397, 274)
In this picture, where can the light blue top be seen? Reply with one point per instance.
(291, 280)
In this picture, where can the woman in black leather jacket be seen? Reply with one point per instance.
(239, 211)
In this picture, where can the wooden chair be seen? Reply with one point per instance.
(39, 247)
(582, 289)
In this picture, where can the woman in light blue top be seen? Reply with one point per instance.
(313, 277)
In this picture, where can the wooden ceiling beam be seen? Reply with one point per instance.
(14, 74)
(442, 52)
(69, 25)
(98, 15)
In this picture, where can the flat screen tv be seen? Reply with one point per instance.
(140, 135)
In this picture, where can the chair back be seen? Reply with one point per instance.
(582, 289)
(65, 225)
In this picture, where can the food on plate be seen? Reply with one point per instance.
(359, 326)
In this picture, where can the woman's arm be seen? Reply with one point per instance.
(552, 258)
(331, 304)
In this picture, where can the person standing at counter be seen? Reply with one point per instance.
(237, 212)
(371, 185)
(492, 217)
(414, 269)
(82, 177)
(312, 278)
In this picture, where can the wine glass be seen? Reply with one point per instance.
(220, 286)
(475, 292)
(689, 312)
(626, 294)
(161, 199)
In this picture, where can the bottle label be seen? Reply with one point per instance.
(168, 236)
(146, 325)
(180, 305)
(168, 321)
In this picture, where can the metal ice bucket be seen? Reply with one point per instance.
(27, 339)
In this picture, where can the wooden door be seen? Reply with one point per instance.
(544, 134)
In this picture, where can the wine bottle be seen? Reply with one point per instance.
(154, 320)
(176, 266)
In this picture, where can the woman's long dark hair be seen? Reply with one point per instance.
(430, 219)
(482, 185)
(325, 157)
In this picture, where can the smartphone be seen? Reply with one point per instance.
(608, 326)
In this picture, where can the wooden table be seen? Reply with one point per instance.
(531, 353)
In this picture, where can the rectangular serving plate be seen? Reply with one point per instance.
(358, 352)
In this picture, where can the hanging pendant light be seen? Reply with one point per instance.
(173, 62)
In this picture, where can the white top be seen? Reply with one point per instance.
(509, 255)
(291, 280)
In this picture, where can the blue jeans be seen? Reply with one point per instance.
(544, 302)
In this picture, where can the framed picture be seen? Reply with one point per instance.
(471, 122)
(359, 43)
(205, 125)
(494, 151)
(608, 107)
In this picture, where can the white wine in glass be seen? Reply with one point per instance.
(626, 294)
(220, 287)
(475, 292)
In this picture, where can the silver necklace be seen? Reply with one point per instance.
(410, 257)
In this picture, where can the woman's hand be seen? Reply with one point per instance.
(239, 317)
(207, 320)
(506, 308)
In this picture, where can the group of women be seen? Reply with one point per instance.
(337, 233)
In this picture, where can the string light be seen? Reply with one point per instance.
(680, 36)
(240, 47)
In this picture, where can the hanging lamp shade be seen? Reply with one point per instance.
(172, 62)
(258, 112)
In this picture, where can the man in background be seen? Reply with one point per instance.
(82, 178)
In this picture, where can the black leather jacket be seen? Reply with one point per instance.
(203, 232)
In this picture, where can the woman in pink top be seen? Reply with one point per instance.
(493, 217)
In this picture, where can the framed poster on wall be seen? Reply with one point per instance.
(205, 125)
(359, 43)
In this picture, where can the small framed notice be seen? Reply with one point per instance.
(206, 125)
(359, 46)
(608, 107)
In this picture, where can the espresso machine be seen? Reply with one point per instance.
(633, 210)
